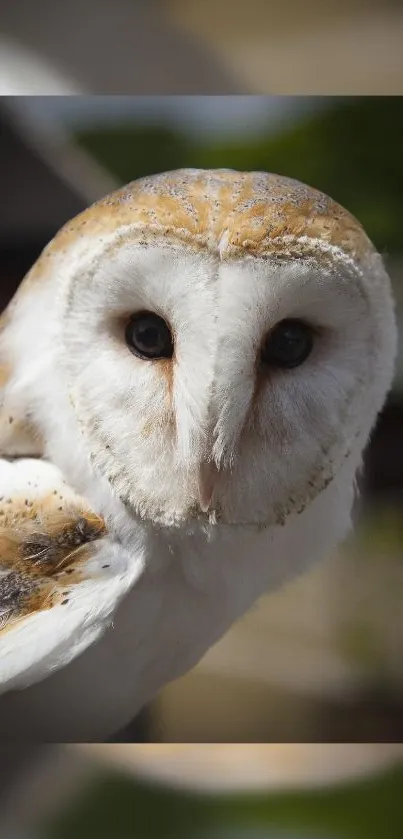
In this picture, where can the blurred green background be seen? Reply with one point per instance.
(350, 148)
(114, 806)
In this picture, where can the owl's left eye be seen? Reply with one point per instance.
(149, 336)
(288, 345)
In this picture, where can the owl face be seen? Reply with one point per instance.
(225, 340)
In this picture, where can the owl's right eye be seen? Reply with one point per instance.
(149, 336)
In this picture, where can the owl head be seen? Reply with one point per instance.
(209, 345)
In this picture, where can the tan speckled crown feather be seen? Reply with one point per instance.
(256, 212)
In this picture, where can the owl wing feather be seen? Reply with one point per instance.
(18, 435)
(62, 572)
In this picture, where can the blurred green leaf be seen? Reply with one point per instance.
(118, 808)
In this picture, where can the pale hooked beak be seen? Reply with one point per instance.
(208, 474)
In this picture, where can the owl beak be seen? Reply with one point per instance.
(208, 474)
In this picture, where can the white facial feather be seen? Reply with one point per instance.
(224, 476)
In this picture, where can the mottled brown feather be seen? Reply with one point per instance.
(43, 550)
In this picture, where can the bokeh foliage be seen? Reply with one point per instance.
(119, 808)
(350, 149)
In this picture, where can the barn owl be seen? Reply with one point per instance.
(189, 376)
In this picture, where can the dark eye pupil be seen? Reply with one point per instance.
(148, 336)
(288, 344)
